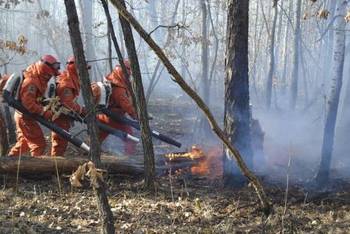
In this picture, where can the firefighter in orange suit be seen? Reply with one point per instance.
(119, 101)
(68, 89)
(30, 137)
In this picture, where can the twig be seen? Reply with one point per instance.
(178, 26)
(58, 177)
(19, 163)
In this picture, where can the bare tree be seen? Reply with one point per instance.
(141, 106)
(337, 75)
(296, 48)
(272, 56)
(95, 151)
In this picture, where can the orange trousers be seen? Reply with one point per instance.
(130, 146)
(30, 137)
(59, 144)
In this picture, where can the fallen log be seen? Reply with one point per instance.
(67, 165)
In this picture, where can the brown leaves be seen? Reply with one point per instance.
(43, 14)
(347, 17)
(19, 46)
(323, 14)
(87, 169)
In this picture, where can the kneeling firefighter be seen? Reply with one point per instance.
(30, 137)
(114, 94)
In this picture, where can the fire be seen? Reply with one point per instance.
(211, 166)
(208, 164)
(194, 154)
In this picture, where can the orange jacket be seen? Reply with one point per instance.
(120, 98)
(68, 88)
(33, 88)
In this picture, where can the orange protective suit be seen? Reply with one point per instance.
(68, 88)
(120, 102)
(29, 134)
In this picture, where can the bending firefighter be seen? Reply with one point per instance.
(115, 95)
(30, 137)
(68, 89)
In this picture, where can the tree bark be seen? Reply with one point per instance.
(272, 57)
(237, 113)
(95, 151)
(10, 125)
(44, 164)
(337, 75)
(4, 144)
(182, 83)
(141, 107)
(204, 52)
(296, 47)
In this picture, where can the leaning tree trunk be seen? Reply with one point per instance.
(237, 114)
(95, 151)
(296, 47)
(141, 106)
(337, 74)
(272, 57)
(200, 103)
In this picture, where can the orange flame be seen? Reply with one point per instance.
(211, 166)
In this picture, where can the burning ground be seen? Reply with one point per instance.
(191, 200)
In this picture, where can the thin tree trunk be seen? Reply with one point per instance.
(204, 52)
(296, 47)
(284, 79)
(272, 57)
(109, 48)
(4, 144)
(11, 129)
(106, 215)
(10, 125)
(182, 83)
(141, 106)
(337, 74)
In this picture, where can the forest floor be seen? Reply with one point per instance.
(183, 203)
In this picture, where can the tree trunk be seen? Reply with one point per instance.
(286, 50)
(10, 125)
(141, 106)
(296, 47)
(4, 144)
(272, 57)
(204, 52)
(77, 44)
(337, 75)
(200, 103)
(237, 114)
